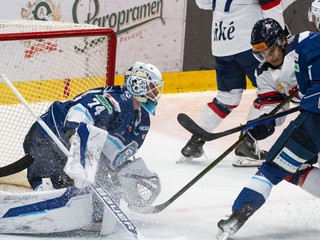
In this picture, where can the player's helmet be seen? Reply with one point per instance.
(266, 33)
(144, 81)
(314, 13)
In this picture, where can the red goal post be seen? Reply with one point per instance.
(47, 61)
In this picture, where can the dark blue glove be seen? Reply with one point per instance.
(263, 130)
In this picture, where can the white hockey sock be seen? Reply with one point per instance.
(261, 185)
(212, 117)
(311, 182)
(209, 120)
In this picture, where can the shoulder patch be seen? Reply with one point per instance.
(296, 67)
(105, 103)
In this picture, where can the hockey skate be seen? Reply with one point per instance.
(193, 149)
(231, 225)
(248, 154)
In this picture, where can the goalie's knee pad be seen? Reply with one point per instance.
(139, 186)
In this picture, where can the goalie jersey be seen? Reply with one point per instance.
(109, 108)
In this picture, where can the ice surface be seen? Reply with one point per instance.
(289, 213)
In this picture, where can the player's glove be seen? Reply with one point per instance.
(263, 130)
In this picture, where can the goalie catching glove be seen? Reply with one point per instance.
(262, 131)
(138, 185)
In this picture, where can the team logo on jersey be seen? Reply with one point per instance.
(288, 160)
(125, 154)
(223, 32)
(144, 128)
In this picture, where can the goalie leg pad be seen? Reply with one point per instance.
(139, 186)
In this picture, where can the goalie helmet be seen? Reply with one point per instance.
(265, 34)
(314, 13)
(144, 81)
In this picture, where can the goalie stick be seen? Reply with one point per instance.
(16, 166)
(99, 190)
(158, 208)
(190, 125)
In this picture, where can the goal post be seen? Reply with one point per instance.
(46, 62)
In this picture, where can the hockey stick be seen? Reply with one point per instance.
(160, 207)
(195, 129)
(190, 125)
(16, 166)
(99, 190)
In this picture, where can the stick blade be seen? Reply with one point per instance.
(17, 166)
(190, 125)
(186, 122)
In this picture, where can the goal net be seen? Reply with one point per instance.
(47, 61)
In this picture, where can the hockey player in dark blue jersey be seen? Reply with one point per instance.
(297, 146)
(103, 128)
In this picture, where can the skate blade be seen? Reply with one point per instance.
(221, 235)
(184, 159)
(247, 162)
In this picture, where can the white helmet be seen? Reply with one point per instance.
(144, 81)
(314, 13)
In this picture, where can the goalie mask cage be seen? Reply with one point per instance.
(47, 61)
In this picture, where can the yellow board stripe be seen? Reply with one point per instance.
(175, 82)
(48, 90)
(182, 82)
